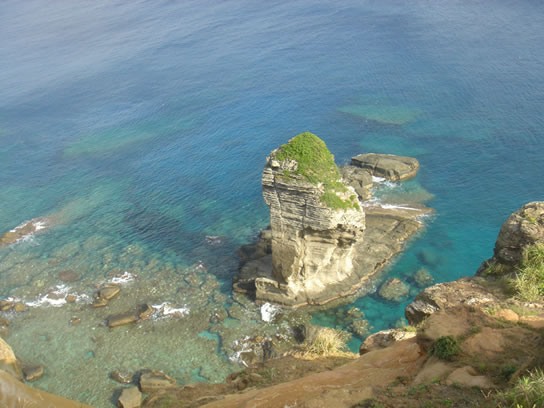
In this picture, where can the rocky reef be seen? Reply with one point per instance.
(323, 242)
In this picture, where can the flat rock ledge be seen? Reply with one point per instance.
(391, 167)
(314, 253)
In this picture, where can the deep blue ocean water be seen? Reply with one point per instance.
(148, 122)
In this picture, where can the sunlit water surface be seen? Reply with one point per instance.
(141, 129)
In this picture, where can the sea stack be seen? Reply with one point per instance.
(315, 220)
(322, 243)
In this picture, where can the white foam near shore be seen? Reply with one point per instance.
(57, 297)
(166, 309)
(268, 312)
(124, 278)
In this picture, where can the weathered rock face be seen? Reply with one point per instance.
(391, 167)
(312, 240)
(465, 291)
(523, 228)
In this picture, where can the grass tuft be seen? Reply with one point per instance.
(529, 280)
(527, 392)
(327, 342)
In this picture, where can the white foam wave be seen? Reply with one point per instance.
(398, 207)
(165, 309)
(268, 312)
(124, 278)
(57, 297)
(244, 347)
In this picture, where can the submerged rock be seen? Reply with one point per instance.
(122, 377)
(152, 381)
(121, 319)
(33, 372)
(391, 167)
(20, 307)
(423, 278)
(109, 291)
(23, 230)
(394, 290)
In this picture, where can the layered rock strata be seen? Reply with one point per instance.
(322, 244)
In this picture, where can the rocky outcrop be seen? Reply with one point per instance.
(8, 362)
(391, 167)
(321, 244)
(358, 178)
(24, 230)
(523, 228)
(465, 291)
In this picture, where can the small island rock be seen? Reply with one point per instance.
(391, 167)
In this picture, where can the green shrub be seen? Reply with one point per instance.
(445, 348)
(529, 280)
(528, 392)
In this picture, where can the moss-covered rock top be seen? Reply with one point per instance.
(315, 161)
(316, 164)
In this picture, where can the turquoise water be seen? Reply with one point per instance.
(142, 127)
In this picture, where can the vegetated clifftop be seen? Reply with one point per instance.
(323, 243)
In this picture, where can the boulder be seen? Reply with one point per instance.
(130, 398)
(109, 291)
(33, 372)
(464, 291)
(20, 307)
(383, 339)
(121, 319)
(122, 377)
(359, 179)
(68, 276)
(423, 278)
(391, 167)
(394, 290)
(523, 228)
(27, 228)
(152, 381)
(468, 377)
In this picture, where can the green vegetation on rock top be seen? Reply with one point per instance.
(316, 164)
(315, 161)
